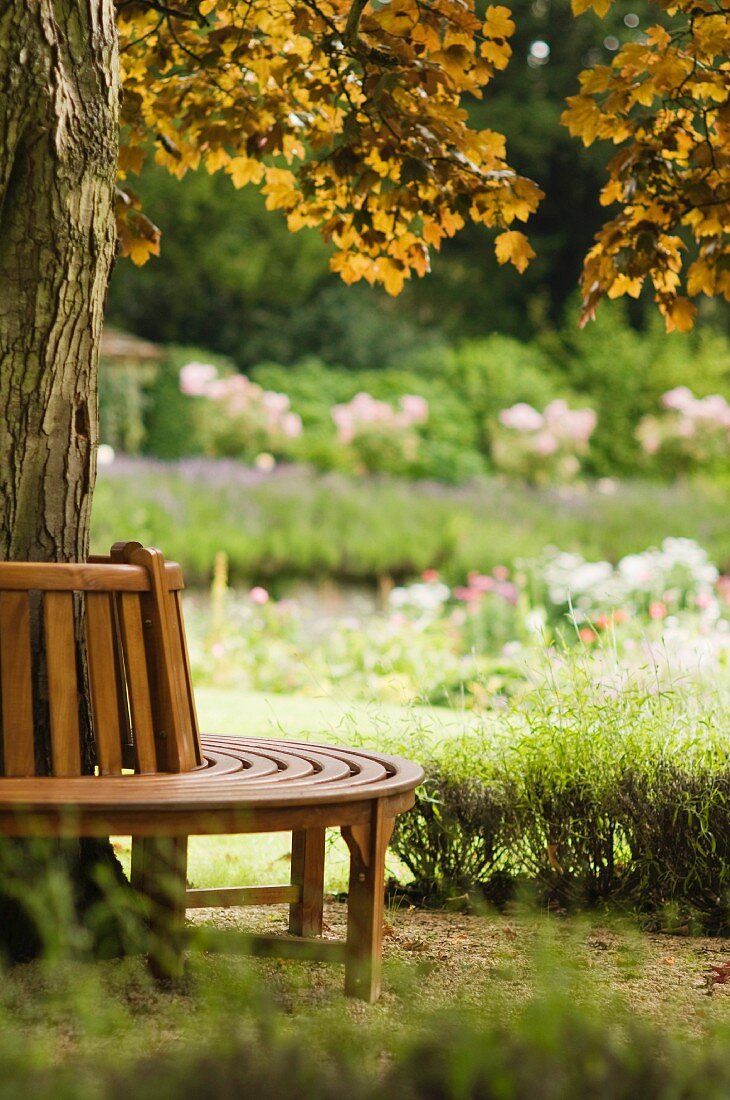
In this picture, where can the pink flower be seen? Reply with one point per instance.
(679, 398)
(587, 636)
(291, 425)
(468, 595)
(259, 595)
(620, 615)
(556, 412)
(195, 378)
(703, 600)
(430, 575)
(508, 592)
(657, 610)
(501, 572)
(415, 408)
(522, 417)
(545, 444)
(480, 582)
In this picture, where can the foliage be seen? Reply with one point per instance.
(446, 448)
(293, 522)
(349, 119)
(235, 416)
(622, 372)
(690, 433)
(477, 645)
(587, 793)
(618, 371)
(272, 1038)
(543, 447)
(357, 128)
(664, 101)
(171, 428)
(123, 401)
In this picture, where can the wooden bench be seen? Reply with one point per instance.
(156, 779)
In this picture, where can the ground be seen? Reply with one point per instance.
(442, 957)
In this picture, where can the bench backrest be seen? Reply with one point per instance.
(142, 707)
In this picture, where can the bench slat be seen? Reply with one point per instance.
(135, 661)
(17, 684)
(58, 612)
(175, 749)
(184, 680)
(226, 896)
(103, 681)
(64, 577)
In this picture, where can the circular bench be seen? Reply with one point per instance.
(139, 766)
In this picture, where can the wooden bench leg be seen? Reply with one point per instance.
(367, 844)
(307, 871)
(159, 873)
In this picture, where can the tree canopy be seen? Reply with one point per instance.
(352, 118)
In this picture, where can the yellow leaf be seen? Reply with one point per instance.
(140, 249)
(498, 54)
(679, 313)
(498, 22)
(513, 247)
(600, 7)
(399, 17)
(216, 158)
(243, 170)
(612, 192)
(700, 279)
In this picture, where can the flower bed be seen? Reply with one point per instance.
(662, 613)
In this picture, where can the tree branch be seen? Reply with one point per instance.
(353, 23)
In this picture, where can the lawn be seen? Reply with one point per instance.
(246, 860)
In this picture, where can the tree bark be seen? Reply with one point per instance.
(59, 100)
(59, 122)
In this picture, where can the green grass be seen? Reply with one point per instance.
(263, 859)
(296, 523)
(262, 714)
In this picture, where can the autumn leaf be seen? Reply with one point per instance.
(513, 247)
(680, 314)
(720, 975)
(600, 7)
(498, 22)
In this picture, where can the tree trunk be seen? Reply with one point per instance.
(59, 96)
(59, 105)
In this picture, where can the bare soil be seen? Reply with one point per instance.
(443, 957)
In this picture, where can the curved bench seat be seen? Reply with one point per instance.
(133, 761)
(246, 778)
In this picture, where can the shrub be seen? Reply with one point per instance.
(543, 448)
(443, 446)
(622, 372)
(692, 432)
(171, 428)
(123, 402)
(496, 372)
(587, 793)
(236, 418)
